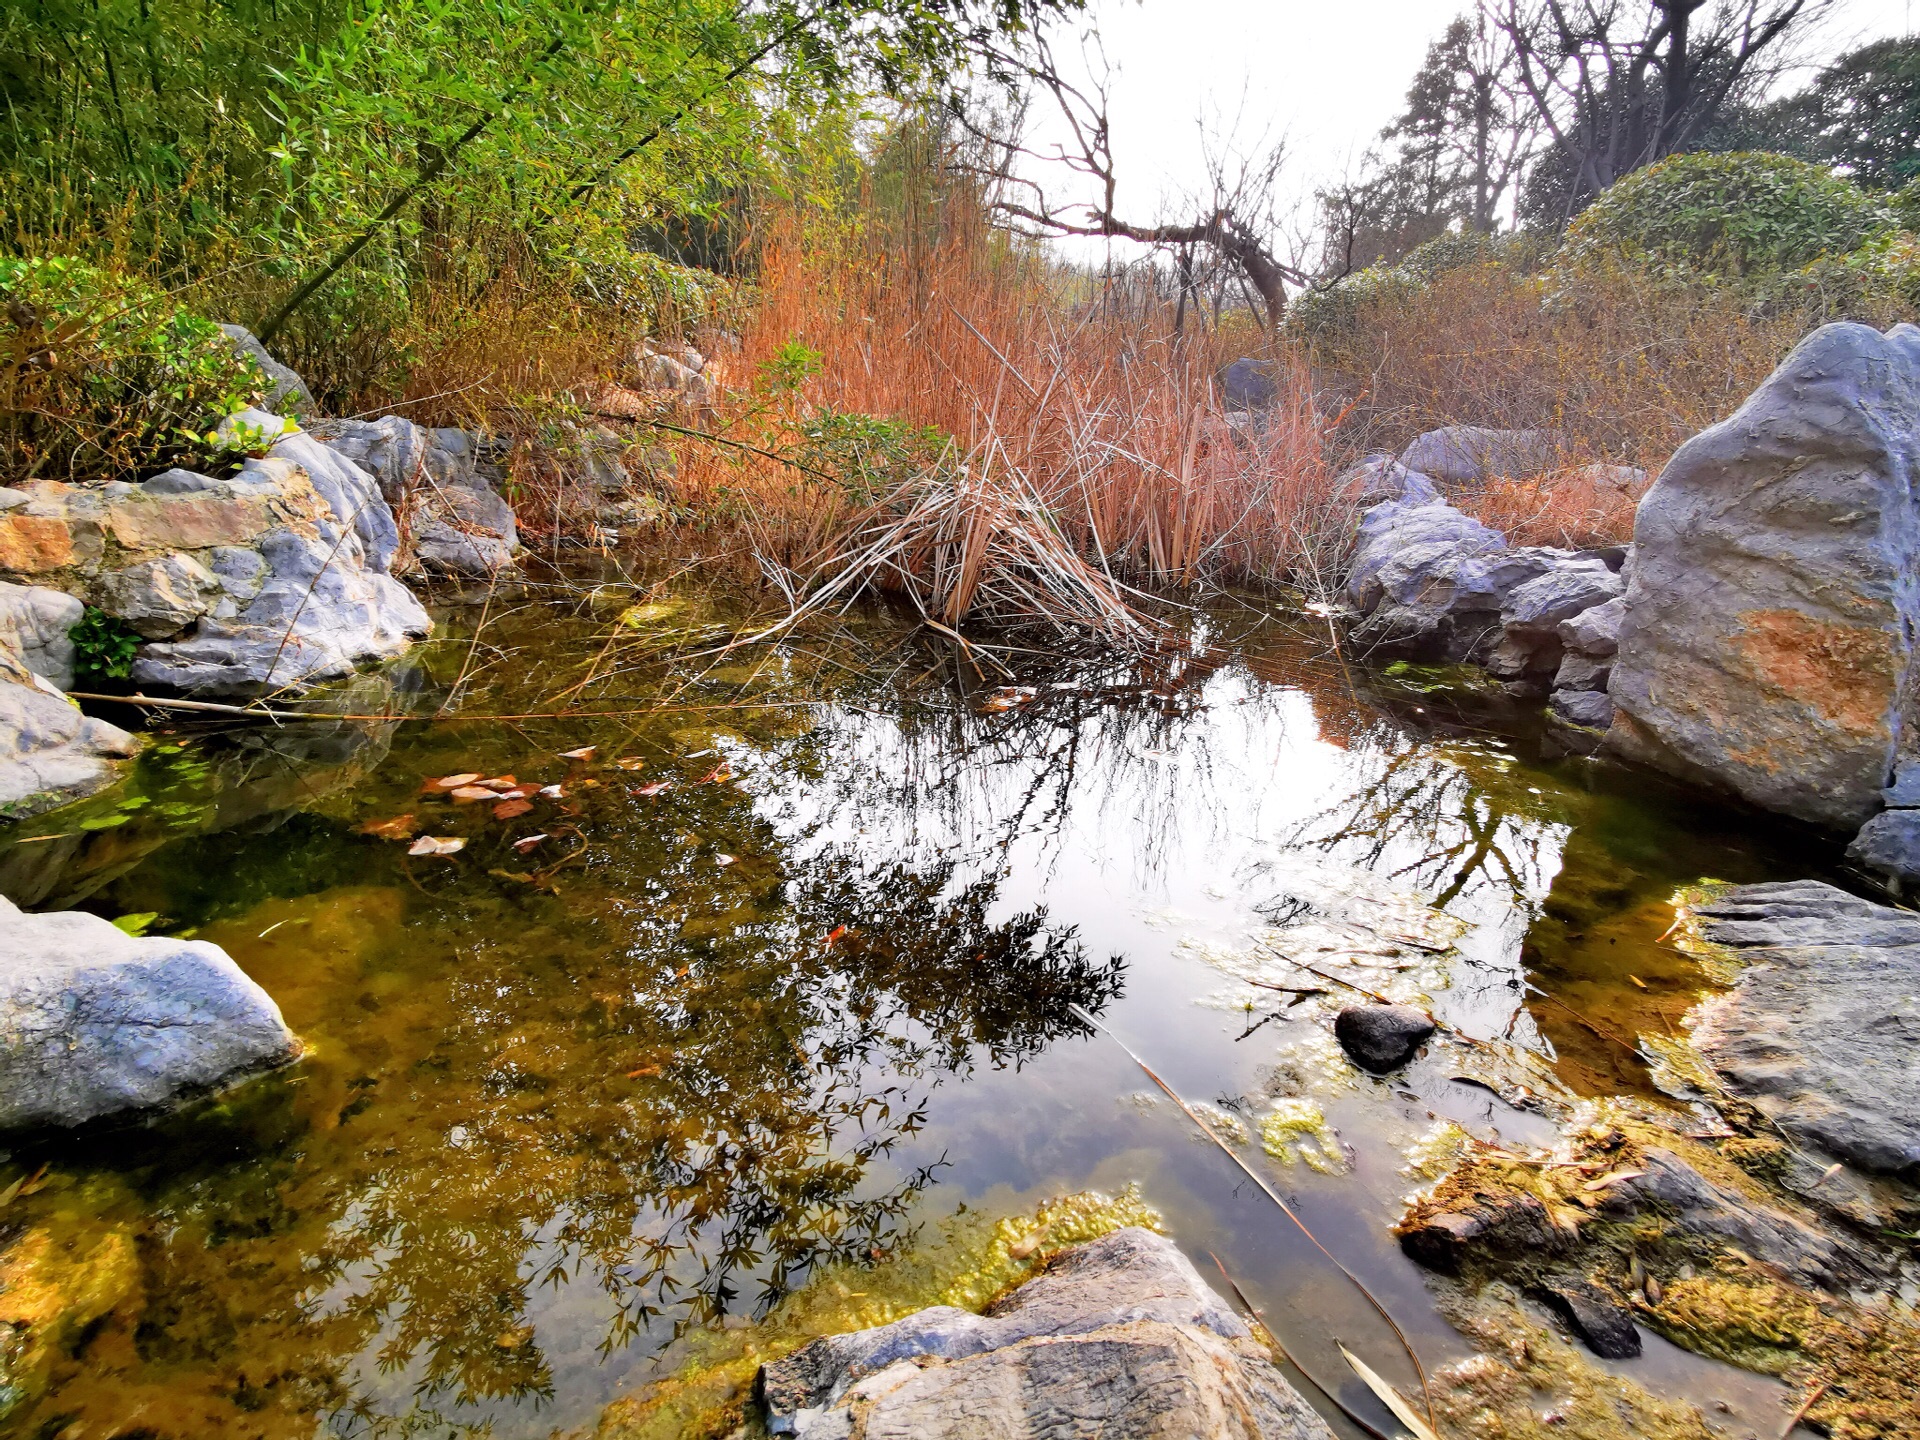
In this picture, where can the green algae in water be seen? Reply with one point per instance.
(1295, 1129)
(975, 1259)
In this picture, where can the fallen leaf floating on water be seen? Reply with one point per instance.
(630, 762)
(834, 935)
(1638, 981)
(468, 794)
(553, 792)
(452, 782)
(724, 860)
(518, 876)
(437, 845)
(527, 842)
(655, 788)
(719, 775)
(643, 1070)
(512, 809)
(25, 1185)
(1390, 1397)
(1006, 698)
(400, 827)
(583, 754)
(499, 782)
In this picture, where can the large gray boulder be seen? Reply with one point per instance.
(36, 624)
(1822, 1030)
(95, 1022)
(445, 482)
(1765, 648)
(50, 753)
(305, 594)
(1465, 454)
(1119, 1337)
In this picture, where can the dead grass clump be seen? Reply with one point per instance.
(1083, 454)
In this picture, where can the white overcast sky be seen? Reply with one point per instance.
(1326, 75)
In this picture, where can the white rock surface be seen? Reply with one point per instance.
(34, 622)
(95, 1022)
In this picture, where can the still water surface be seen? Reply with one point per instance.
(563, 1102)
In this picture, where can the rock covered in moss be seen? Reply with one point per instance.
(1119, 1336)
(1822, 1030)
(95, 1022)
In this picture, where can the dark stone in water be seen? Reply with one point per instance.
(1382, 1037)
(1605, 1326)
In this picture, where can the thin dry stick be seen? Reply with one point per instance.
(1285, 1209)
(1807, 1404)
(1273, 1344)
(255, 712)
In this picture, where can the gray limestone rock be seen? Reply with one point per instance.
(289, 394)
(1462, 454)
(1247, 384)
(50, 753)
(95, 1022)
(1890, 844)
(1568, 588)
(34, 624)
(1595, 632)
(1765, 646)
(1589, 709)
(1822, 1031)
(1602, 1323)
(1119, 1337)
(159, 598)
(1581, 672)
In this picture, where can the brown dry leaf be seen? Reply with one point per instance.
(1390, 1397)
(400, 827)
(719, 775)
(1638, 981)
(1616, 1178)
(512, 809)
(588, 784)
(437, 845)
(643, 1070)
(520, 875)
(467, 794)
(553, 792)
(631, 762)
(724, 860)
(500, 782)
(452, 782)
(583, 754)
(655, 788)
(526, 843)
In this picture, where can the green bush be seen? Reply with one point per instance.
(869, 456)
(1331, 313)
(105, 378)
(1725, 216)
(103, 647)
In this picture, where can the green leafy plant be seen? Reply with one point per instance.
(1727, 216)
(867, 455)
(790, 367)
(103, 377)
(103, 647)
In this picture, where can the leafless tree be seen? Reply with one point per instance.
(1618, 84)
(1235, 220)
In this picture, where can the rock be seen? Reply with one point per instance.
(1581, 672)
(1589, 709)
(50, 753)
(1764, 649)
(1603, 1324)
(1595, 632)
(303, 598)
(1380, 1038)
(1247, 384)
(95, 1022)
(288, 394)
(1821, 1031)
(1568, 588)
(35, 624)
(160, 598)
(1462, 454)
(1497, 1223)
(1119, 1336)
(1890, 844)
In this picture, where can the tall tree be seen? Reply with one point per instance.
(1618, 84)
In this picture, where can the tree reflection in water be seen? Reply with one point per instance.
(678, 1090)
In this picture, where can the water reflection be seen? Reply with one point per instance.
(656, 1068)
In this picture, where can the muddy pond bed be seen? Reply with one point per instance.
(783, 998)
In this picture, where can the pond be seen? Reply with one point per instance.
(794, 976)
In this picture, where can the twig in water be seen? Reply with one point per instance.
(1267, 1190)
(1807, 1404)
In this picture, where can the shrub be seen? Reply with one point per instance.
(103, 647)
(1742, 214)
(103, 377)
